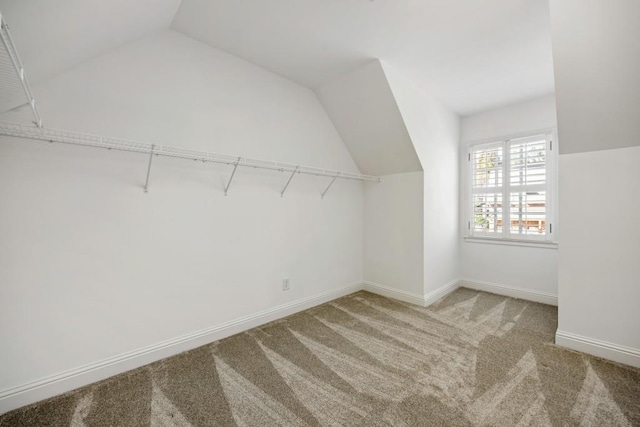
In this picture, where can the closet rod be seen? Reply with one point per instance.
(87, 140)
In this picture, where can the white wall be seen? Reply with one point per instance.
(533, 272)
(434, 131)
(91, 267)
(393, 232)
(599, 268)
(411, 219)
(535, 114)
(596, 65)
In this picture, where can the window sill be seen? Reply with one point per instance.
(512, 242)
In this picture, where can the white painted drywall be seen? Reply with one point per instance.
(393, 232)
(600, 251)
(526, 268)
(596, 65)
(364, 111)
(411, 219)
(434, 131)
(531, 115)
(91, 267)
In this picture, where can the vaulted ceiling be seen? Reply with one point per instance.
(472, 54)
(55, 36)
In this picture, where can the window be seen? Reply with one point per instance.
(511, 186)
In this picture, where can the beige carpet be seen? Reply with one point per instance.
(363, 360)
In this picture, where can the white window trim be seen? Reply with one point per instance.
(550, 240)
(513, 242)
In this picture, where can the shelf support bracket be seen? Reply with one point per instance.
(146, 182)
(289, 181)
(235, 166)
(15, 108)
(9, 46)
(330, 184)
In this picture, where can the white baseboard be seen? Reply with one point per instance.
(410, 297)
(511, 291)
(386, 291)
(441, 292)
(54, 385)
(606, 350)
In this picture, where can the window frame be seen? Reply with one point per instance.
(550, 238)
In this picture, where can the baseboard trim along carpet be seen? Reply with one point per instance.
(411, 297)
(53, 385)
(441, 292)
(511, 291)
(400, 295)
(618, 353)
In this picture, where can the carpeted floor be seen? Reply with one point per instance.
(471, 359)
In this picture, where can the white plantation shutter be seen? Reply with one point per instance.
(487, 189)
(527, 187)
(511, 189)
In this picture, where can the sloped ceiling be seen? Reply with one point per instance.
(364, 111)
(473, 55)
(53, 36)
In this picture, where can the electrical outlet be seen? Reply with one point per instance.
(285, 284)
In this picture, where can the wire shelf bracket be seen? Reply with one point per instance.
(235, 166)
(146, 182)
(289, 181)
(13, 78)
(330, 184)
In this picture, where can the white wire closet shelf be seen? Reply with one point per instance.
(14, 84)
(75, 138)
